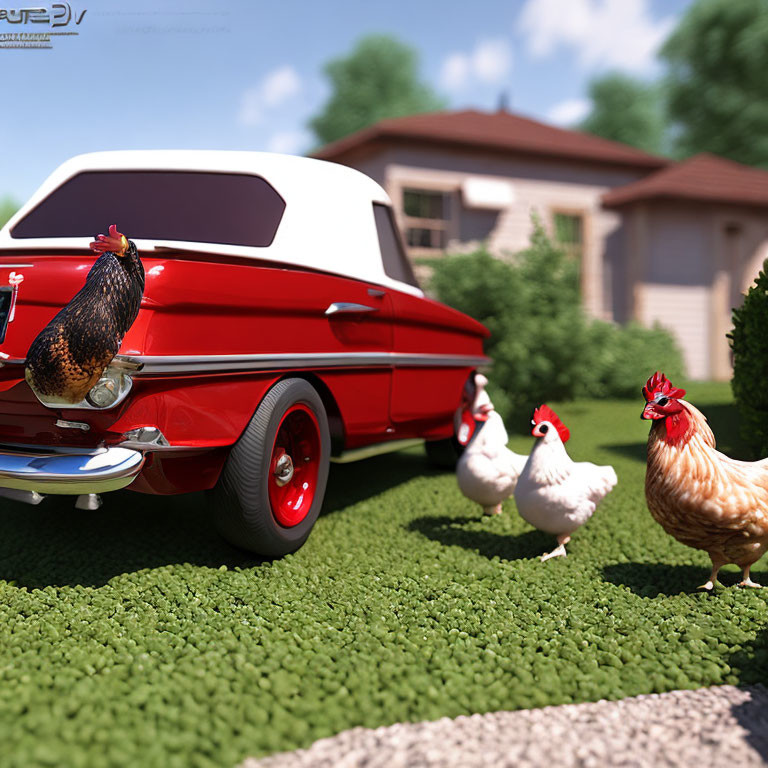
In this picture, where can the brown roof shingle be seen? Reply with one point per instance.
(704, 178)
(499, 131)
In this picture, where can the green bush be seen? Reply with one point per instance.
(531, 307)
(749, 341)
(622, 357)
(542, 344)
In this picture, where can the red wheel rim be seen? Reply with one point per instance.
(293, 466)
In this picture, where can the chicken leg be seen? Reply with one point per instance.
(559, 550)
(745, 580)
(717, 564)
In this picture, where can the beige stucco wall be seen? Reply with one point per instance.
(540, 186)
(691, 264)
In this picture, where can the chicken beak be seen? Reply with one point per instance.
(647, 411)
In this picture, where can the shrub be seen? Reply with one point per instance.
(749, 341)
(623, 357)
(531, 307)
(542, 344)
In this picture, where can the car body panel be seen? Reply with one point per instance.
(218, 327)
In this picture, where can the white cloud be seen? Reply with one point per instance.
(280, 85)
(492, 60)
(455, 72)
(488, 63)
(603, 34)
(289, 142)
(274, 89)
(250, 107)
(569, 112)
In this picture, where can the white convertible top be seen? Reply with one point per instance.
(328, 223)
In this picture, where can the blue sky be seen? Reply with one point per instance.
(248, 75)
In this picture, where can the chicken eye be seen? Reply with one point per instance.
(543, 429)
(662, 401)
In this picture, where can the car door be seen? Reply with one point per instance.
(359, 317)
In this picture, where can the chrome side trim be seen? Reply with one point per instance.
(124, 363)
(357, 454)
(64, 424)
(69, 473)
(179, 364)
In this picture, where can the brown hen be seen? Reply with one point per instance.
(70, 354)
(700, 496)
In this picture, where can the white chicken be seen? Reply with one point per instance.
(487, 471)
(553, 493)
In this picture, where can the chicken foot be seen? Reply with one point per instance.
(559, 550)
(746, 581)
(716, 566)
(488, 511)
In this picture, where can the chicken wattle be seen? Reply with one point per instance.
(701, 497)
(555, 494)
(487, 471)
(70, 354)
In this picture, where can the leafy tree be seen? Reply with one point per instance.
(628, 110)
(377, 80)
(8, 207)
(717, 83)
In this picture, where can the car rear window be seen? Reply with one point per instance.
(396, 264)
(227, 208)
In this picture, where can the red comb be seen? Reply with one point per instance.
(545, 413)
(115, 242)
(660, 383)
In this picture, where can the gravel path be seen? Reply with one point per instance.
(710, 727)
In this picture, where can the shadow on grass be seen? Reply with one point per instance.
(54, 544)
(660, 579)
(453, 531)
(351, 483)
(656, 579)
(750, 662)
(634, 451)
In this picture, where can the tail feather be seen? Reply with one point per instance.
(602, 480)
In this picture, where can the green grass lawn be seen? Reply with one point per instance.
(134, 635)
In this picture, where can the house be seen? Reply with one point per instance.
(696, 238)
(658, 241)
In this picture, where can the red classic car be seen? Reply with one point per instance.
(280, 328)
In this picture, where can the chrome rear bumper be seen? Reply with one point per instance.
(70, 471)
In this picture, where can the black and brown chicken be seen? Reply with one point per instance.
(70, 354)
